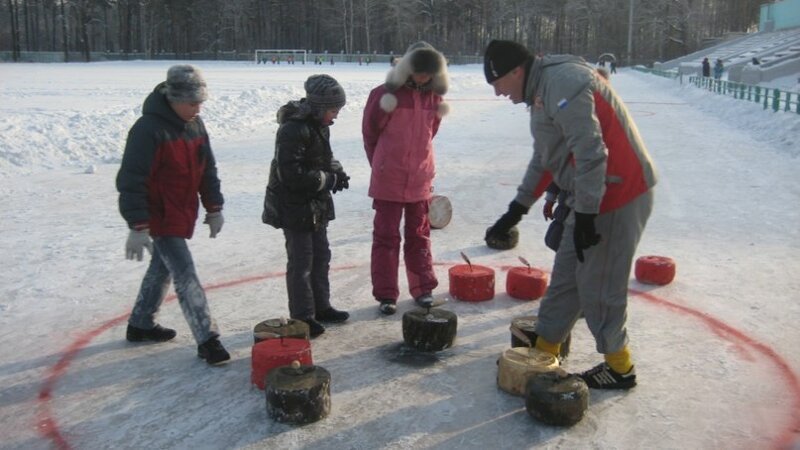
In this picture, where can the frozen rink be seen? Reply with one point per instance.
(716, 352)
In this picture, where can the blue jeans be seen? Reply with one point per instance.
(172, 260)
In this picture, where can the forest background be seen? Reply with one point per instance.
(232, 29)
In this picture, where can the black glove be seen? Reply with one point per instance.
(342, 182)
(584, 236)
(512, 217)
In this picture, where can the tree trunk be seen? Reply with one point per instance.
(15, 47)
(64, 34)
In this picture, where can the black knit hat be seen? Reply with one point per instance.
(502, 57)
(323, 92)
(185, 84)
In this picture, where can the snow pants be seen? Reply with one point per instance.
(172, 261)
(599, 285)
(309, 258)
(416, 249)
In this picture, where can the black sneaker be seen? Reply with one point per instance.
(388, 307)
(213, 352)
(314, 328)
(155, 334)
(602, 376)
(332, 315)
(424, 300)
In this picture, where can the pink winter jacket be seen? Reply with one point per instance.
(398, 139)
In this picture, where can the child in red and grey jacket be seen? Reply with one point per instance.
(401, 118)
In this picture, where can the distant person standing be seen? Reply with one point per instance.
(167, 170)
(401, 118)
(718, 69)
(706, 68)
(755, 61)
(613, 67)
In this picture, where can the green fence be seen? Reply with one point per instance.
(774, 99)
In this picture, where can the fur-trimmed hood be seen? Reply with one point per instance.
(420, 57)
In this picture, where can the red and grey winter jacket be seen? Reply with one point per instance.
(584, 138)
(167, 168)
(399, 124)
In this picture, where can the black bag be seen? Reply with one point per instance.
(552, 238)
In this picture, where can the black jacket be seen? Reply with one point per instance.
(297, 197)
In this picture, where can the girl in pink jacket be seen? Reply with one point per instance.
(400, 120)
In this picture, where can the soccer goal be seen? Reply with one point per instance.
(277, 56)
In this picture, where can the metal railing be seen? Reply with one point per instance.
(770, 98)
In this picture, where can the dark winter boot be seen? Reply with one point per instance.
(155, 334)
(213, 352)
(387, 307)
(314, 328)
(424, 300)
(332, 315)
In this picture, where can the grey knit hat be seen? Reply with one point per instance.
(323, 92)
(185, 84)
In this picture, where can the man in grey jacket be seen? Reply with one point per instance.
(586, 142)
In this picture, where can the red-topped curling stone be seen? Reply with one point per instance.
(655, 270)
(272, 353)
(471, 283)
(526, 283)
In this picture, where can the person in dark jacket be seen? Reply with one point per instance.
(586, 142)
(167, 170)
(302, 176)
(706, 68)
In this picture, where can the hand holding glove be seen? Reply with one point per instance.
(214, 221)
(500, 229)
(138, 240)
(585, 235)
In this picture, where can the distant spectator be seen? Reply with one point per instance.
(755, 61)
(706, 68)
(718, 69)
(613, 67)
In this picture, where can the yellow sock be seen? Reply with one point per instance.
(548, 347)
(620, 361)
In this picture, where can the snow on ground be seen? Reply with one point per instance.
(716, 351)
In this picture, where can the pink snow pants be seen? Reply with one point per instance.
(416, 249)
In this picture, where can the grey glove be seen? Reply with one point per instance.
(214, 221)
(138, 240)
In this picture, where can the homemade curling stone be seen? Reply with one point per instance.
(429, 329)
(298, 394)
(506, 243)
(556, 398)
(526, 325)
(526, 283)
(658, 270)
(515, 365)
(272, 353)
(471, 282)
(440, 211)
(277, 328)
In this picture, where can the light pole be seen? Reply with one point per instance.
(630, 34)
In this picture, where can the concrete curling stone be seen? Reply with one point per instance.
(471, 282)
(516, 365)
(271, 353)
(277, 328)
(526, 283)
(556, 398)
(658, 270)
(526, 325)
(440, 211)
(429, 329)
(507, 243)
(298, 394)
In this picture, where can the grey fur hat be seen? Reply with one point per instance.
(420, 57)
(323, 92)
(185, 84)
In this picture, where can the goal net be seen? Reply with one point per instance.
(278, 56)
